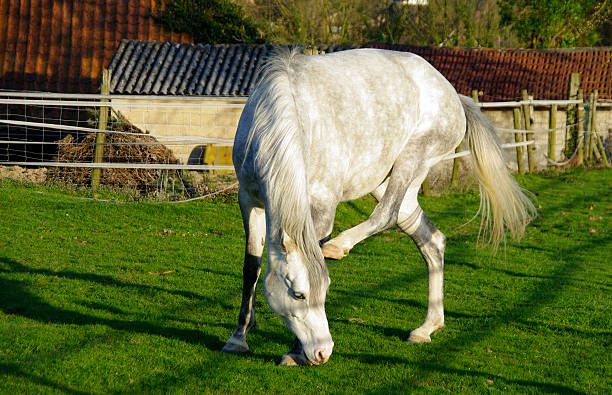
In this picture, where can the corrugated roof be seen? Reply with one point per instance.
(63, 45)
(231, 70)
(501, 74)
(163, 68)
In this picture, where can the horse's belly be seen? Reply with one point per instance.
(363, 178)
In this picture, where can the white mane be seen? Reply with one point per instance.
(282, 158)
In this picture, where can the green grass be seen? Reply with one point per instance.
(81, 313)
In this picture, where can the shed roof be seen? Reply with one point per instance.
(162, 68)
(63, 45)
(149, 67)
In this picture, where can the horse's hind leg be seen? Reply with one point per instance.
(431, 243)
(253, 217)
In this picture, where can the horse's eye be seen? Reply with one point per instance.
(298, 295)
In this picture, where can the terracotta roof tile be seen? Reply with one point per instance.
(63, 45)
(501, 74)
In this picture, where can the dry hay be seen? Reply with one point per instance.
(37, 176)
(118, 148)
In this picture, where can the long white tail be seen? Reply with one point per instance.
(503, 203)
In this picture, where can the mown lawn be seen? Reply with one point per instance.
(85, 306)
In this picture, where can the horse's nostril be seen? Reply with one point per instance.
(320, 356)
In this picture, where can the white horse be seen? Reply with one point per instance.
(319, 130)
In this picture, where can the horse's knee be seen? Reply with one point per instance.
(430, 240)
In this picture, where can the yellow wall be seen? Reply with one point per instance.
(210, 122)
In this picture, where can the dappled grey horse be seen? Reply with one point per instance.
(319, 130)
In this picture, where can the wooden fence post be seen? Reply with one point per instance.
(426, 186)
(571, 133)
(603, 151)
(102, 123)
(580, 131)
(456, 163)
(552, 137)
(589, 137)
(530, 136)
(475, 95)
(518, 138)
(595, 137)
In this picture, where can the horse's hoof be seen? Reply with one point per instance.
(332, 251)
(287, 360)
(418, 339)
(233, 346)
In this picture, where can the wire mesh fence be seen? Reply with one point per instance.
(150, 145)
(176, 148)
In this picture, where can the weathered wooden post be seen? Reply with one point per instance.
(598, 148)
(530, 136)
(310, 50)
(603, 150)
(426, 186)
(571, 133)
(102, 123)
(552, 137)
(456, 163)
(588, 137)
(518, 138)
(580, 131)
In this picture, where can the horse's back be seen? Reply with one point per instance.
(363, 107)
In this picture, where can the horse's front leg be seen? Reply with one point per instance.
(431, 243)
(253, 217)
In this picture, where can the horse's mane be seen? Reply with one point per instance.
(281, 159)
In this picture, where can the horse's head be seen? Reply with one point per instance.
(300, 302)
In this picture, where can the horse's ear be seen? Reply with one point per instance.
(288, 243)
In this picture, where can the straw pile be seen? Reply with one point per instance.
(118, 148)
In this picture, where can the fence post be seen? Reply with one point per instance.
(518, 138)
(595, 138)
(426, 186)
(589, 153)
(456, 163)
(552, 137)
(102, 122)
(475, 95)
(571, 133)
(310, 50)
(580, 131)
(530, 136)
(603, 150)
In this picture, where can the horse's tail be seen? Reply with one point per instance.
(503, 203)
(281, 159)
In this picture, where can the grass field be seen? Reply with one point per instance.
(85, 306)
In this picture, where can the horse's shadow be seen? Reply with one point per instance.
(15, 299)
